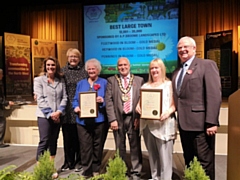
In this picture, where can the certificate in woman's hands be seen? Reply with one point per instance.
(151, 103)
(88, 104)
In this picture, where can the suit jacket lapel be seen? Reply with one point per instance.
(188, 74)
(174, 78)
(134, 90)
(54, 85)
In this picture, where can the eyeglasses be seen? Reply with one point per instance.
(183, 47)
(73, 57)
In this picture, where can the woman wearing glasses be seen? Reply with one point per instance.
(74, 71)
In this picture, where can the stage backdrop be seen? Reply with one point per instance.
(238, 57)
(40, 50)
(62, 47)
(1, 57)
(219, 48)
(17, 63)
(200, 46)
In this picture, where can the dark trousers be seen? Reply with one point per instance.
(202, 146)
(71, 146)
(48, 133)
(2, 129)
(91, 139)
(134, 142)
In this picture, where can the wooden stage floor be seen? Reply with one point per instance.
(23, 157)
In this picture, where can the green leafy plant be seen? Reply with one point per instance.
(45, 168)
(116, 169)
(195, 171)
(24, 176)
(73, 177)
(7, 173)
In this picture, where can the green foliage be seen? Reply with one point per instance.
(116, 169)
(195, 171)
(73, 177)
(7, 173)
(45, 168)
(24, 176)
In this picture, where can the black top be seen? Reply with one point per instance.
(72, 76)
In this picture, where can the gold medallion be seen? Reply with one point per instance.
(128, 88)
(125, 97)
(155, 112)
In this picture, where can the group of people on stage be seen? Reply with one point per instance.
(194, 93)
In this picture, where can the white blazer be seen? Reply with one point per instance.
(50, 97)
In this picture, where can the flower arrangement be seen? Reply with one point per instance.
(96, 87)
(189, 71)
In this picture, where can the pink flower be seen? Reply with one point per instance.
(96, 87)
(189, 71)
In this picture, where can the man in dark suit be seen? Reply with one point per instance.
(3, 103)
(197, 96)
(121, 101)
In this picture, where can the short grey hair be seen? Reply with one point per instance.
(188, 38)
(95, 62)
(123, 58)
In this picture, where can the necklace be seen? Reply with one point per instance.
(125, 91)
(91, 82)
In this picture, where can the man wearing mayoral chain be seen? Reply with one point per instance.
(122, 96)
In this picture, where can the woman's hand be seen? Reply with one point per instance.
(100, 99)
(55, 116)
(10, 103)
(165, 115)
(77, 110)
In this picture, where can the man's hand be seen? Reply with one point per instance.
(211, 130)
(136, 124)
(114, 125)
(138, 109)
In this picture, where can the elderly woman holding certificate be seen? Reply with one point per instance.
(91, 118)
(159, 133)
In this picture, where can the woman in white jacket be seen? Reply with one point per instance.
(159, 134)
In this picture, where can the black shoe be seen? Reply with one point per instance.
(4, 145)
(65, 168)
(79, 169)
(135, 176)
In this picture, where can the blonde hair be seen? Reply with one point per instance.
(74, 51)
(162, 67)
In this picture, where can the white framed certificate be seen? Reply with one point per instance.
(88, 104)
(151, 103)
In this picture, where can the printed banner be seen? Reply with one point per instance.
(62, 47)
(140, 31)
(200, 46)
(17, 63)
(219, 49)
(1, 58)
(40, 50)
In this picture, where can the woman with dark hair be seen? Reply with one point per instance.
(51, 97)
